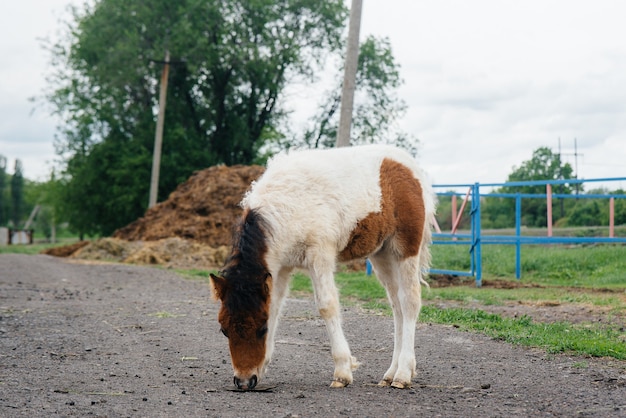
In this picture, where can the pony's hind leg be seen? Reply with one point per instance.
(401, 279)
(327, 301)
(410, 295)
(385, 271)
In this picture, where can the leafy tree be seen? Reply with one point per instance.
(544, 165)
(232, 62)
(587, 212)
(17, 194)
(376, 107)
(595, 212)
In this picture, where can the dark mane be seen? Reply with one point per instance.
(245, 268)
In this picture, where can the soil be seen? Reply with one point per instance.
(85, 338)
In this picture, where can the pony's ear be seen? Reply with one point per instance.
(218, 287)
(268, 284)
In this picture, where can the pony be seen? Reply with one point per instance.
(312, 209)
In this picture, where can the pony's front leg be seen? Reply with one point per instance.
(280, 289)
(327, 301)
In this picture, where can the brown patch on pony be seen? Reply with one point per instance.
(402, 216)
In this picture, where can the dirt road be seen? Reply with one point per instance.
(119, 340)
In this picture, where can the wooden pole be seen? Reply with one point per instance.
(349, 79)
(158, 137)
(453, 210)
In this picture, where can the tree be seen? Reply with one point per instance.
(544, 165)
(377, 109)
(17, 194)
(231, 62)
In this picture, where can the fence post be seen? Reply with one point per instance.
(549, 208)
(453, 212)
(518, 233)
(612, 217)
(476, 232)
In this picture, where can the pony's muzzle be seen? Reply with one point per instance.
(246, 384)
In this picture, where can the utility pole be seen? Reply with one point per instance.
(575, 155)
(158, 137)
(349, 79)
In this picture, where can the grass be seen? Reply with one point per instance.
(35, 248)
(584, 266)
(557, 337)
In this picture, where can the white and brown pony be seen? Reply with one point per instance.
(312, 209)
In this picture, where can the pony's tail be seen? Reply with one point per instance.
(425, 258)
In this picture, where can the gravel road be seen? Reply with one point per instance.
(85, 339)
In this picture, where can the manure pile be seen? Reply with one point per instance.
(191, 229)
(202, 209)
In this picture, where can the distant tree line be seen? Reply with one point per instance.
(12, 204)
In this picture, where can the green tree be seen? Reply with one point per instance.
(377, 108)
(588, 212)
(232, 60)
(596, 212)
(17, 194)
(544, 165)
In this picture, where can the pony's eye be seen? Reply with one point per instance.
(262, 331)
(224, 332)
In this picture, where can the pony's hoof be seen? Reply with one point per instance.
(384, 383)
(400, 385)
(339, 383)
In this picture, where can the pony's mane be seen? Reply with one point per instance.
(245, 269)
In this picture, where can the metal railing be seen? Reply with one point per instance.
(476, 239)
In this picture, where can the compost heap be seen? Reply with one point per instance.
(202, 209)
(191, 229)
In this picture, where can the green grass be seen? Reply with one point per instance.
(557, 337)
(34, 248)
(584, 266)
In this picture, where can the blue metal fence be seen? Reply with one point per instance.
(475, 239)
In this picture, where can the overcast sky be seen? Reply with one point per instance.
(486, 82)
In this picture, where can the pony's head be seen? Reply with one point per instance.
(243, 319)
(244, 288)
